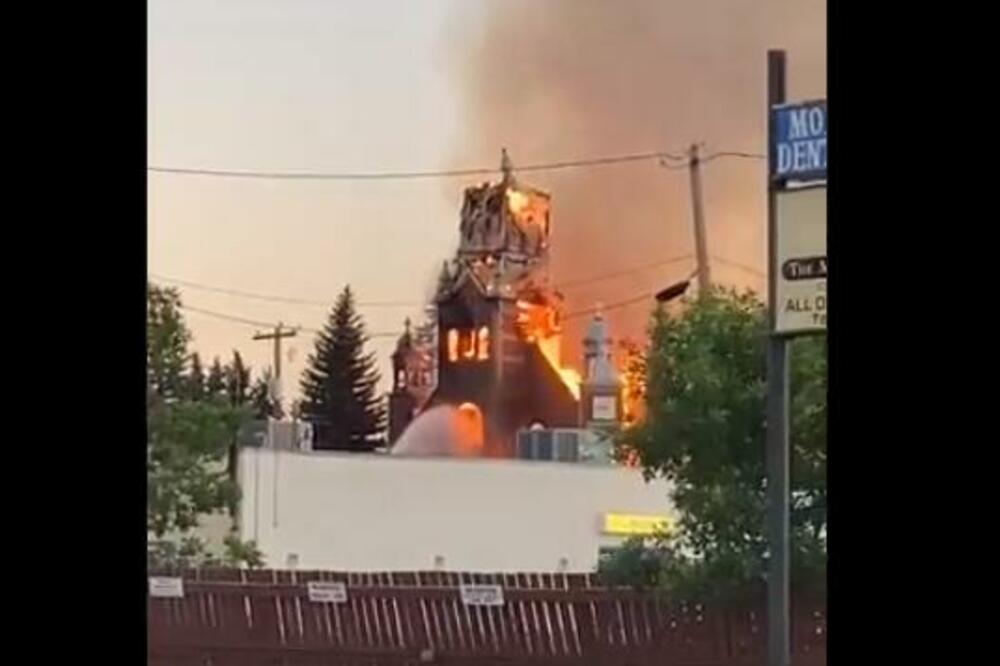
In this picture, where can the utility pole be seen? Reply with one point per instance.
(277, 335)
(778, 578)
(697, 208)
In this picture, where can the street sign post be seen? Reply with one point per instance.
(797, 299)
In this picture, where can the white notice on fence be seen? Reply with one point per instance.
(800, 273)
(482, 595)
(327, 593)
(160, 586)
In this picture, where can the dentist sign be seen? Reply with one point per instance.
(799, 142)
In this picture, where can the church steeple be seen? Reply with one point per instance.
(601, 384)
(506, 167)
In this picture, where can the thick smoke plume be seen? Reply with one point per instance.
(565, 79)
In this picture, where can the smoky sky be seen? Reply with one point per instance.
(555, 80)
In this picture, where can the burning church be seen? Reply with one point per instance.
(493, 348)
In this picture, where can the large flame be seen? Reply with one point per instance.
(516, 201)
(570, 377)
(539, 324)
(632, 370)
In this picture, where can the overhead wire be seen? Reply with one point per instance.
(627, 271)
(409, 175)
(661, 156)
(277, 299)
(266, 324)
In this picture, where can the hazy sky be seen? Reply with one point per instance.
(398, 85)
(298, 85)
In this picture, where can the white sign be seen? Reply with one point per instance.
(604, 408)
(801, 266)
(171, 588)
(481, 595)
(327, 593)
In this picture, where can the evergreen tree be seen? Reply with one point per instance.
(215, 385)
(196, 379)
(237, 377)
(338, 386)
(260, 399)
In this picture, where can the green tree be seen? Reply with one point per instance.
(261, 403)
(166, 342)
(339, 384)
(704, 430)
(187, 440)
(237, 381)
(195, 379)
(186, 475)
(215, 385)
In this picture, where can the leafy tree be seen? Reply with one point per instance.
(187, 440)
(191, 552)
(166, 342)
(636, 564)
(187, 448)
(704, 430)
(339, 384)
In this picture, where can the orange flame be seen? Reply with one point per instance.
(538, 324)
(516, 201)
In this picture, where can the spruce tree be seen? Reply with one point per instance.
(339, 384)
(237, 377)
(215, 385)
(196, 379)
(261, 403)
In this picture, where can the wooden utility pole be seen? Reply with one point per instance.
(277, 335)
(697, 208)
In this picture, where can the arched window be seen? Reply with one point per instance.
(468, 345)
(484, 343)
(452, 345)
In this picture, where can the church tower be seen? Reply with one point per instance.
(498, 316)
(600, 395)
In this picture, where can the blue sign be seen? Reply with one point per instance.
(798, 141)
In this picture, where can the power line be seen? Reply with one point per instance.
(736, 264)
(277, 299)
(731, 153)
(611, 306)
(410, 175)
(226, 317)
(304, 301)
(627, 271)
(258, 323)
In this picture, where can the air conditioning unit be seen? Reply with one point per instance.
(564, 445)
(558, 444)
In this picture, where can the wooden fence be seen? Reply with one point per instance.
(230, 617)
